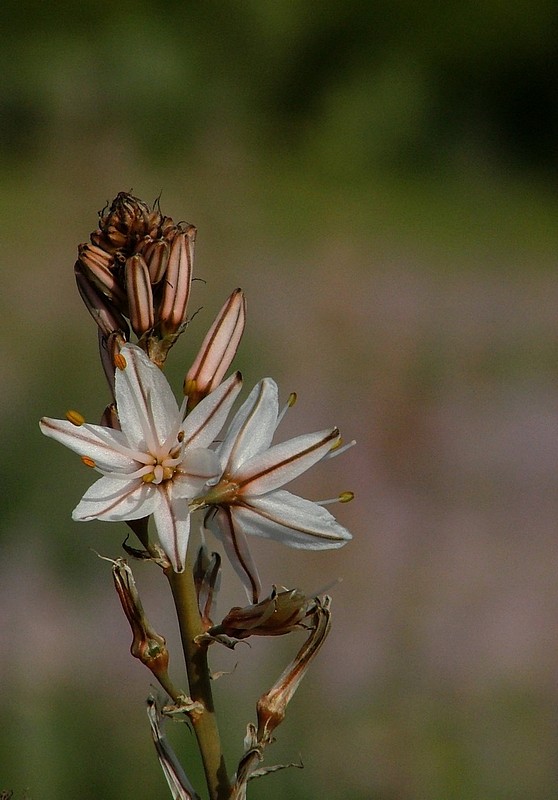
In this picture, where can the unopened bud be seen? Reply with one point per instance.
(102, 309)
(140, 295)
(218, 349)
(99, 266)
(156, 254)
(109, 418)
(177, 281)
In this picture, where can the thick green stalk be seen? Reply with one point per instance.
(205, 724)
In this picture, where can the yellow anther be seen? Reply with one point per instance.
(75, 417)
(292, 399)
(346, 497)
(120, 361)
(190, 387)
(89, 462)
(149, 478)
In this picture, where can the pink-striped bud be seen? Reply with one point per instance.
(102, 309)
(99, 266)
(178, 278)
(156, 254)
(140, 295)
(218, 349)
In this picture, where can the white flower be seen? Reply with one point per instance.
(157, 461)
(248, 500)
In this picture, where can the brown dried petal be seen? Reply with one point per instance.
(278, 614)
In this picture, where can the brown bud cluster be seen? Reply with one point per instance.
(137, 267)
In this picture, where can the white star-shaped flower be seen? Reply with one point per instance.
(157, 461)
(248, 499)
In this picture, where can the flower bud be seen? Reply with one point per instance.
(102, 309)
(99, 266)
(177, 281)
(109, 347)
(140, 296)
(217, 351)
(156, 254)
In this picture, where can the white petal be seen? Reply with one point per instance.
(108, 448)
(252, 428)
(292, 520)
(221, 523)
(147, 409)
(172, 520)
(283, 462)
(115, 499)
(205, 421)
(198, 466)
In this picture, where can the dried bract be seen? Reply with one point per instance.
(147, 645)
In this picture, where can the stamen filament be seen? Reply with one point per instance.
(338, 448)
(344, 497)
(289, 404)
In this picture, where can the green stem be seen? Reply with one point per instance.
(205, 725)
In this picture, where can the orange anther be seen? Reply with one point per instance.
(75, 417)
(120, 361)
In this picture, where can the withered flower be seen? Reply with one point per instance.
(280, 613)
(147, 645)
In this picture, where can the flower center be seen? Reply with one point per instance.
(224, 492)
(161, 471)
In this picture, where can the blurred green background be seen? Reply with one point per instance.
(382, 180)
